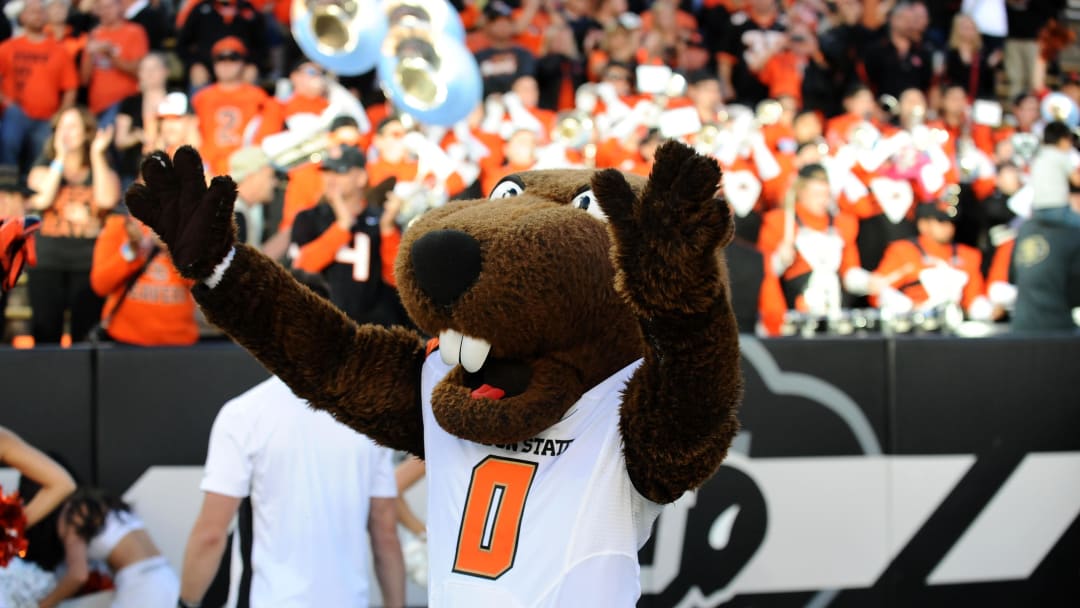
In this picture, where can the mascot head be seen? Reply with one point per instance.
(520, 289)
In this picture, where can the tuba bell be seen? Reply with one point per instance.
(424, 66)
(344, 36)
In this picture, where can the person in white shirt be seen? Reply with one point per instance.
(314, 484)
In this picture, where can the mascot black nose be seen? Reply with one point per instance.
(446, 264)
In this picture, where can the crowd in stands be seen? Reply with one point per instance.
(878, 154)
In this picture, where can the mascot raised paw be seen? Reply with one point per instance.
(586, 370)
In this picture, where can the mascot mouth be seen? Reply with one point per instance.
(489, 377)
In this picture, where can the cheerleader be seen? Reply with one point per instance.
(94, 526)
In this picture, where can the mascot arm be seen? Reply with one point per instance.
(678, 414)
(367, 377)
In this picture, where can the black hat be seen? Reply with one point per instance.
(498, 8)
(813, 171)
(938, 210)
(343, 120)
(350, 157)
(11, 182)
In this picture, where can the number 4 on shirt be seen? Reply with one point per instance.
(487, 541)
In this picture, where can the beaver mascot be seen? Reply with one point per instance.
(586, 370)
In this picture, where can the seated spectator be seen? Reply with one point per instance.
(110, 61)
(147, 302)
(75, 188)
(38, 79)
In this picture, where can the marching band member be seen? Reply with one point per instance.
(519, 153)
(932, 270)
(812, 248)
(412, 157)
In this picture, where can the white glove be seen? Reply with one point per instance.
(894, 301)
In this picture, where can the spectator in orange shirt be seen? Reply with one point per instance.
(58, 28)
(37, 79)
(398, 154)
(147, 302)
(111, 60)
(227, 108)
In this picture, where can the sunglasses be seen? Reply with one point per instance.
(229, 57)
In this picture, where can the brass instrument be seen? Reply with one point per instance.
(424, 67)
(343, 36)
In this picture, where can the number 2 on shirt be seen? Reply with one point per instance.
(488, 539)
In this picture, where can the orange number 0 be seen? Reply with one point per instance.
(487, 542)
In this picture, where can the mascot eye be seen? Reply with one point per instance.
(510, 186)
(586, 201)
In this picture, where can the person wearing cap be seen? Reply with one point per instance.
(256, 181)
(351, 239)
(501, 60)
(932, 270)
(812, 248)
(211, 21)
(227, 108)
(111, 60)
(176, 124)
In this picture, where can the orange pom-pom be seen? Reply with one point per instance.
(1053, 38)
(12, 528)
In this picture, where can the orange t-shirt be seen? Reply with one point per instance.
(74, 213)
(108, 84)
(305, 185)
(36, 74)
(225, 113)
(158, 310)
(72, 44)
(783, 75)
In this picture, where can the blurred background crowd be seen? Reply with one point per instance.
(893, 166)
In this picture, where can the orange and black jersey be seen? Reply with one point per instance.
(357, 264)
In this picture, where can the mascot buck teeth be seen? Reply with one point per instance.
(586, 371)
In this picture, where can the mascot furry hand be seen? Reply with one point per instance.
(586, 372)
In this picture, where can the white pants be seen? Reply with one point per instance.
(150, 583)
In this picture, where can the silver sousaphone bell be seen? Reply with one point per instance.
(424, 67)
(343, 36)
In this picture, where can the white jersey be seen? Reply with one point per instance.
(550, 521)
(311, 480)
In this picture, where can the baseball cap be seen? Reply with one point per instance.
(342, 121)
(229, 47)
(11, 182)
(174, 105)
(628, 21)
(350, 157)
(938, 210)
(246, 161)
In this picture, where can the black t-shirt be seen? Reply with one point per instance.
(356, 285)
(501, 67)
(1046, 271)
(893, 73)
(745, 37)
(127, 161)
(958, 72)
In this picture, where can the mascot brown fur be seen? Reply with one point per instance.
(573, 278)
